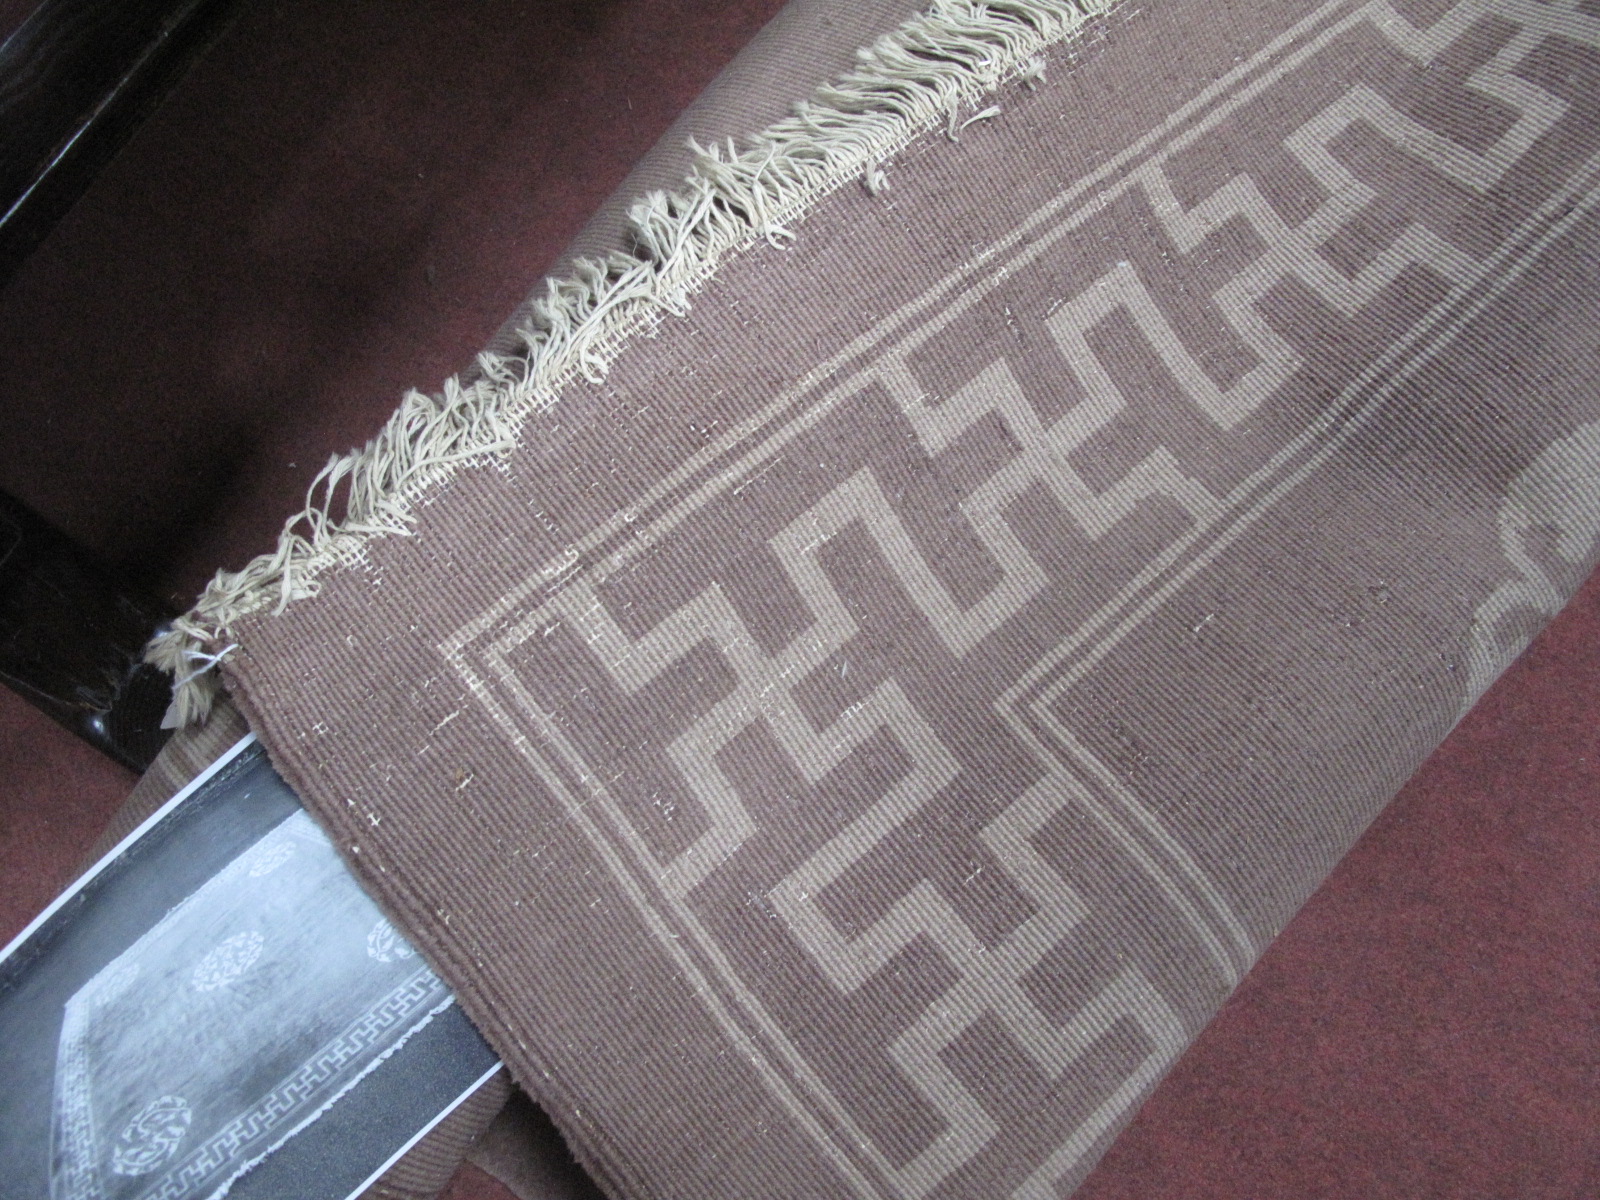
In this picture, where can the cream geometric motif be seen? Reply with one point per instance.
(1288, 252)
(763, 692)
(990, 978)
(989, 974)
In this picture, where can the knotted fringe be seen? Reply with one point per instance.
(921, 77)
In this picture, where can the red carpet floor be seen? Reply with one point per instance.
(341, 201)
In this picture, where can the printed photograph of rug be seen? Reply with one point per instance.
(271, 1009)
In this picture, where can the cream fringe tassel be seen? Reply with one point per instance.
(921, 77)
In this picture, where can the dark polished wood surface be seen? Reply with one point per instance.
(76, 78)
(71, 638)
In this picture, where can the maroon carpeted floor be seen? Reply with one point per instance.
(341, 201)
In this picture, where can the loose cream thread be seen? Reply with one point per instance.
(915, 80)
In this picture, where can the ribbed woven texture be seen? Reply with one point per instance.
(853, 748)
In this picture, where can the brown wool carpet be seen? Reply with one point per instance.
(1425, 1026)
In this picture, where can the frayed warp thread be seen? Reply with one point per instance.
(916, 79)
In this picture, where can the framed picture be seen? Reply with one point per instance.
(217, 1006)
